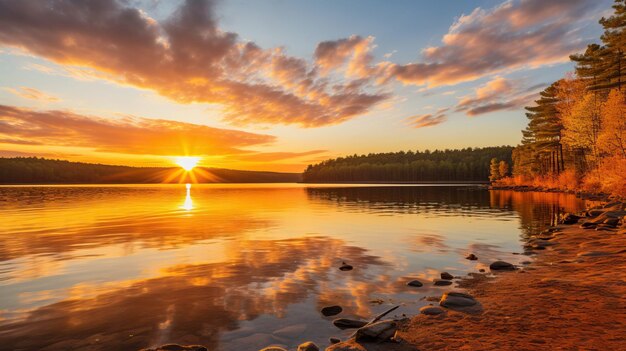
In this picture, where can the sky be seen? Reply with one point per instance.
(276, 84)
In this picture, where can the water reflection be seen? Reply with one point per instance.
(100, 268)
(188, 204)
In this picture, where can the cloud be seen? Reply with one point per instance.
(130, 135)
(32, 94)
(188, 58)
(428, 119)
(498, 94)
(513, 35)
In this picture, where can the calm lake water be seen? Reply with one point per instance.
(238, 267)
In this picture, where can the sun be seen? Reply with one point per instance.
(187, 162)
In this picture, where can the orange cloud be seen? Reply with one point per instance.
(32, 93)
(510, 36)
(497, 94)
(427, 120)
(131, 135)
(186, 58)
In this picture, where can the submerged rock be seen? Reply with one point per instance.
(471, 257)
(457, 299)
(308, 346)
(415, 283)
(333, 340)
(432, 310)
(447, 276)
(379, 331)
(442, 282)
(331, 310)
(501, 266)
(344, 323)
(273, 348)
(345, 267)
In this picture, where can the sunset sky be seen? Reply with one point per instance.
(276, 84)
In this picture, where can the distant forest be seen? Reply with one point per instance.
(33, 170)
(469, 164)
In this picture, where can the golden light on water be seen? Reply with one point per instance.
(187, 162)
(188, 204)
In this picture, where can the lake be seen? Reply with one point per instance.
(239, 267)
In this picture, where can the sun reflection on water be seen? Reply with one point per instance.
(188, 204)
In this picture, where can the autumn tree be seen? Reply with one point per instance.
(494, 170)
(503, 169)
(612, 134)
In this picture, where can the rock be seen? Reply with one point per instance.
(345, 267)
(415, 283)
(176, 347)
(595, 212)
(344, 323)
(273, 348)
(379, 331)
(569, 218)
(501, 266)
(447, 276)
(334, 340)
(308, 346)
(331, 310)
(471, 257)
(457, 299)
(482, 270)
(611, 221)
(441, 282)
(432, 310)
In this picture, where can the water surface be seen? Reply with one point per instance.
(238, 267)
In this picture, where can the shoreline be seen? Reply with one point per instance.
(529, 188)
(571, 297)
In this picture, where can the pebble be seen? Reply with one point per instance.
(441, 282)
(447, 276)
(471, 257)
(415, 283)
(345, 267)
(331, 310)
(457, 299)
(501, 266)
(432, 310)
(344, 323)
(308, 346)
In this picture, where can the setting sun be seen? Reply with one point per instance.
(187, 162)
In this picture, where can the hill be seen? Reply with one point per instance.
(33, 170)
(463, 165)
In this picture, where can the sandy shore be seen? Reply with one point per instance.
(572, 297)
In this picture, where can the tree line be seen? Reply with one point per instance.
(468, 164)
(576, 133)
(34, 170)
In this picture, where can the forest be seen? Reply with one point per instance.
(33, 170)
(469, 164)
(576, 133)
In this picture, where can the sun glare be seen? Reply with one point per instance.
(187, 162)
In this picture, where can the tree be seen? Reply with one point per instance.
(503, 169)
(494, 170)
(582, 125)
(612, 135)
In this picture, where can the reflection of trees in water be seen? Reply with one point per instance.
(537, 210)
(409, 199)
(195, 303)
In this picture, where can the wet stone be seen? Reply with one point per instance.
(471, 257)
(442, 282)
(308, 346)
(432, 310)
(447, 276)
(415, 283)
(331, 310)
(501, 266)
(344, 323)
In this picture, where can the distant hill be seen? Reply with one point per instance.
(463, 165)
(33, 170)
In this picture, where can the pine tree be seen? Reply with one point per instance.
(494, 170)
(503, 169)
